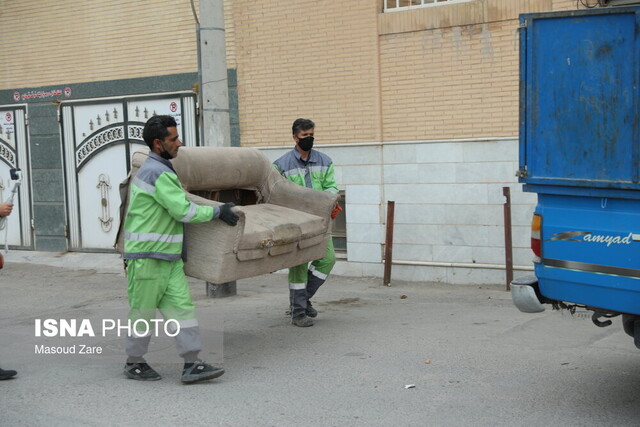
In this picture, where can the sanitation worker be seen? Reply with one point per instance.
(312, 169)
(158, 209)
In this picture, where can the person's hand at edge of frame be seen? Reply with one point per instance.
(336, 210)
(5, 209)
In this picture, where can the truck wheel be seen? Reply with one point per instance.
(627, 323)
(631, 325)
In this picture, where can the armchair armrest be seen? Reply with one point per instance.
(217, 231)
(211, 247)
(285, 193)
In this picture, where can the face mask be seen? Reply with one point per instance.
(305, 143)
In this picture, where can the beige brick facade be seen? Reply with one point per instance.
(570, 4)
(454, 82)
(447, 71)
(312, 59)
(443, 72)
(229, 33)
(76, 41)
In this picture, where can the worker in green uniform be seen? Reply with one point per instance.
(153, 251)
(312, 169)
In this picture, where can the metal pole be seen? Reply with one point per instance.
(214, 87)
(388, 245)
(199, 54)
(508, 245)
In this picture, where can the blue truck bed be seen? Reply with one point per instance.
(579, 121)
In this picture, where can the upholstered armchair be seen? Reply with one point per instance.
(281, 224)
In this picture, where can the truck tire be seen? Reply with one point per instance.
(628, 321)
(631, 325)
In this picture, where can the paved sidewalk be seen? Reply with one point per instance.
(413, 354)
(100, 262)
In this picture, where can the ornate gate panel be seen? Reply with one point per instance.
(99, 140)
(14, 154)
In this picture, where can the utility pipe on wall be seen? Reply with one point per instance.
(508, 245)
(460, 265)
(388, 246)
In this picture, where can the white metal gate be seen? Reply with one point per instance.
(14, 154)
(100, 137)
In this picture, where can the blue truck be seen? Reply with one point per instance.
(580, 153)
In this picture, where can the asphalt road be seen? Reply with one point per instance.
(470, 356)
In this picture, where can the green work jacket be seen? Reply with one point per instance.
(316, 172)
(158, 209)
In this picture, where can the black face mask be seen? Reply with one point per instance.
(305, 143)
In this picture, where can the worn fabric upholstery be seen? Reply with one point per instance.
(288, 226)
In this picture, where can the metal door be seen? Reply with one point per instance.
(100, 137)
(579, 98)
(17, 230)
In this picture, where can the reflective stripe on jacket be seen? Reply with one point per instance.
(316, 172)
(158, 209)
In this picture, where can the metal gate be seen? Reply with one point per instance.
(99, 138)
(14, 154)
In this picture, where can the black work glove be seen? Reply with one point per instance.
(227, 215)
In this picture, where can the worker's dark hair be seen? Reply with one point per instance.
(156, 127)
(302, 124)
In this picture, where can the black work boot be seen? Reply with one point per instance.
(5, 375)
(303, 321)
(310, 311)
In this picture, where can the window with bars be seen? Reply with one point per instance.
(393, 5)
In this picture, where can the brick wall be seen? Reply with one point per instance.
(451, 82)
(448, 71)
(570, 4)
(79, 41)
(307, 59)
(229, 33)
(442, 72)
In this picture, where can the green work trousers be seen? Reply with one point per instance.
(158, 284)
(305, 279)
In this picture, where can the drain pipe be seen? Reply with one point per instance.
(508, 245)
(388, 246)
(461, 265)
